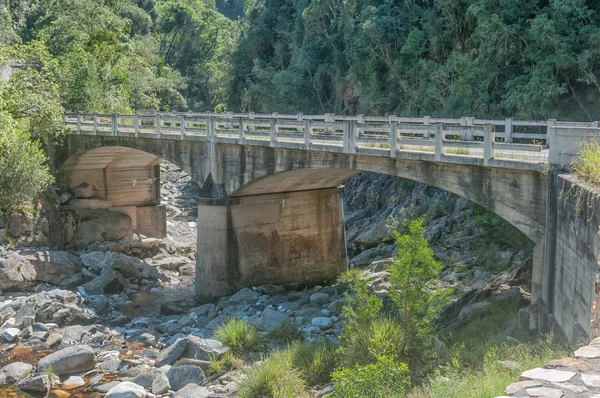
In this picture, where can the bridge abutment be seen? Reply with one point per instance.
(277, 238)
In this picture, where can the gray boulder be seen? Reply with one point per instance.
(181, 376)
(145, 380)
(171, 353)
(107, 282)
(102, 226)
(15, 372)
(319, 298)
(193, 391)
(126, 389)
(271, 319)
(70, 360)
(16, 272)
(322, 322)
(245, 295)
(203, 349)
(53, 266)
(39, 383)
(83, 190)
(161, 383)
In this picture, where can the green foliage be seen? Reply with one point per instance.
(23, 169)
(413, 278)
(287, 333)
(367, 341)
(362, 306)
(383, 379)
(274, 378)
(502, 365)
(225, 363)
(315, 360)
(587, 163)
(240, 336)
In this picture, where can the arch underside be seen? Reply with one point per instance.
(518, 196)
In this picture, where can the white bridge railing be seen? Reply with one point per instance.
(519, 140)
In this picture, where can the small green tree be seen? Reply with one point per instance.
(413, 278)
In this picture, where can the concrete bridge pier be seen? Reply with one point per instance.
(274, 238)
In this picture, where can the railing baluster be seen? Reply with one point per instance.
(136, 124)
(427, 122)
(489, 140)
(242, 128)
(551, 123)
(182, 126)
(272, 132)
(353, 134)
(393, 139)
(95, 116)
(158, 125)
(439, 141)
(79, 121)
(115, 123)
(508, 130)
(307, 133)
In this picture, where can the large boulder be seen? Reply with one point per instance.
(83, 190)
(171, 353)
(271, 319)
(107, 282)
(102, 226)
(203, 349)
(55, 306)
(70, 360)
(14, 372)
(126, 389)
(40, 384)
(193, 391)
(125, 265)
(16, 272)
(53, 266)
(181, 376)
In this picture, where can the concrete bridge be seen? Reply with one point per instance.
(271, 206)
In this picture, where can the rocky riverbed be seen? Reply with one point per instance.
(118, 318)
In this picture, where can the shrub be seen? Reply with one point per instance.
(23, 169)
(287, 333)
(413, 278)
(240, 336)
(366, 342)
(316, 360)
(385, 378)
(227, 362)
(587, 163)
(273, 378)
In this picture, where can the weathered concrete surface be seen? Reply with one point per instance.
(570, 274)
(151, 221)
(269, 239)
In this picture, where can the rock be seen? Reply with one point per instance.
(336, 306)
(473, 311)
(203, 349)
(64, 197)
(171, 353)
(75, 359)
(6, 314)
(244, 296)
(551, 375)
(322, 322)
(319, 298)
(55, 306)
(520, 386)
(573, 363)
(104, 388)
(125, 265)
(15, 372)
(181, 376)
(108, 282)
(193, 391)
(10, 334)
(145, 380)
(83, 190)
(73, 382)
(16, 272)
(39, 383)
(74, 334)
(102, 226)
(160, 384)
(590, 380)
(19, 223)
(207, 310)
(126, 389)
(271, 319)
(53, 266)
(544, 392)
(216, 322)
(588, 351)
(73, 281)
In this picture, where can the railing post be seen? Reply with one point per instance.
(307, 133)
(250, 115)
(182, 126)
(439, 142)
(427, 122)
(242, 128)
(273, 132)
(158, 125)
(115, 123)
(210, 129)
(353, 134)
(489, 140)
(346, 136)
(467, 121)
(79, 121)
(299, 117)
(553, 146)
(508, 130)
(136, 124)
(393, 139)
(95, 116)
(551, 123)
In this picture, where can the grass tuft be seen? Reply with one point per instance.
(227, 362)
(587, 163)
(274, 378)
(316, 360)
(240, 337)
(287, 333)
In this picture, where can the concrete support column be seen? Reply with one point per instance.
(280, 238)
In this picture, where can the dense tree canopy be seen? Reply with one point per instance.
(533, 59)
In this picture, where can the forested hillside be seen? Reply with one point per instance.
(528, 59)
